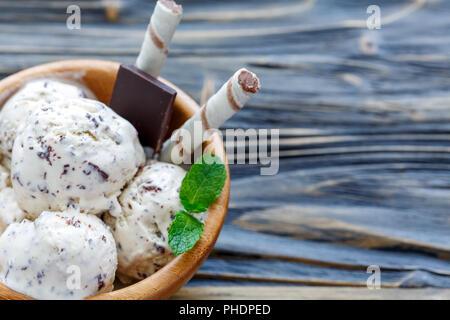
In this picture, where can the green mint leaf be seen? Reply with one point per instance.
(203, 184)
(184, 232)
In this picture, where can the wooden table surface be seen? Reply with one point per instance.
(364, 119)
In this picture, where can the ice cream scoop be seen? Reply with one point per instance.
(141, 232)
(74, 153)
(15, 112)
(61, 255)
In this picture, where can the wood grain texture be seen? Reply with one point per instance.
(364, 119)
(308, 293)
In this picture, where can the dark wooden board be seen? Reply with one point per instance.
(307, 293)
(364, 119)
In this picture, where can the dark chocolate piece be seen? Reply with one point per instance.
(144, 101)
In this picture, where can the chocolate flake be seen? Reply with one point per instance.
(102, 173)
(16, 177)
(65, 170)
(72, 222)
(160, 249)
(100, 281)
(151, 188)
(46, 154)
(42, 189)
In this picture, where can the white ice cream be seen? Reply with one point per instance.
(74, 153)
(9, 209)
(141, 232)
(61, 255)
(14, 113)
(5, 179)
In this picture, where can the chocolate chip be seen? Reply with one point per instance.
(102, 173)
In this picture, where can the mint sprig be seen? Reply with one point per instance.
(184, 232)
(201, 186)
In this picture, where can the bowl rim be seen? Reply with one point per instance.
(170, 278)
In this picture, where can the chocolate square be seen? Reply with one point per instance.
(144, 101)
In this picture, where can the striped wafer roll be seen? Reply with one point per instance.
(162, 26)
(231, 98)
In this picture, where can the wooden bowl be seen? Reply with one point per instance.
(99, 76)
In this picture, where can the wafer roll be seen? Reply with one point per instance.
(231, 98)
(161, 28)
